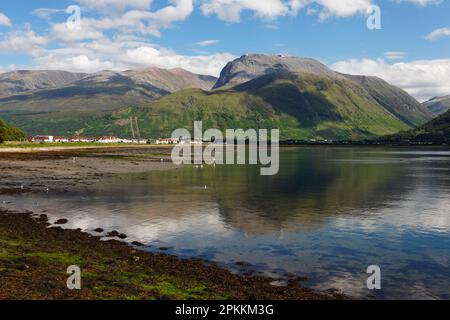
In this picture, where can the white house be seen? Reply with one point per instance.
(108, 139)
(41, 139)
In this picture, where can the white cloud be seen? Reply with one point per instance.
(61, 32)
(46, 13)
(163, 58)
(342, 8)
(110, 5)
(438, 33)
(19, 41)
(395, 55)
(206, 43)
(4, 20)
(79, 63)
(422, 3)
(423, 79)
(231, 10)
(123, 53)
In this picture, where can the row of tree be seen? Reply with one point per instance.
(8, 133)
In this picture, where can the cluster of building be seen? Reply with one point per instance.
(178, 141)
(110, 139)
(102, 139)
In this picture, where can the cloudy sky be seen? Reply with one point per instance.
(412, 49)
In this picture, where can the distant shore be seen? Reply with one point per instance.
(34, 258)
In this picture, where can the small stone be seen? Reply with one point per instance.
(23, 267)
(122, 236)
(137, 244)
(62, 221)
(99, 230)
(113, 233)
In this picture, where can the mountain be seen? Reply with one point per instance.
(301, 105)
(437, 131)
(8, 133)
(24, 80)
(393, 99)
(65, 108)
(301, 96)
(438, 105)
(252, 66)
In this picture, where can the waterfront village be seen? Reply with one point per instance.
(107, 139)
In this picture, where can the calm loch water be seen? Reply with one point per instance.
(328, 215)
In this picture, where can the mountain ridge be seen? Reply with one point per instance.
(438, 105)
(301, 95)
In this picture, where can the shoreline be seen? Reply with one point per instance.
(34, 255)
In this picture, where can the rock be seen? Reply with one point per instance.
(23, 267)
(122, 236)
(243, 264)
(62, 221)
(137, 244)
(99, 230)
(113, 233)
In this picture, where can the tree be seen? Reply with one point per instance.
(8, 133)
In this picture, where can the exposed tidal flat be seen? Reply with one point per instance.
(329, 214)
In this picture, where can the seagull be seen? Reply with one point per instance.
(21, 187)
(162, 160)
(206, 187)
(74, 159)
(47, 190)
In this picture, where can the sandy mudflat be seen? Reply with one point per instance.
(61, 168)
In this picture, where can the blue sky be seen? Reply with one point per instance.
(412, 49)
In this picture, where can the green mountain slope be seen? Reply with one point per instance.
(436, 131)
(395, 100)
(302, 106)
(8, 133)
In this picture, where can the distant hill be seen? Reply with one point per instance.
(65, 107)
(437, 131)
(171, 80)
(438, 105)
(8, 133)
(26, 80)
